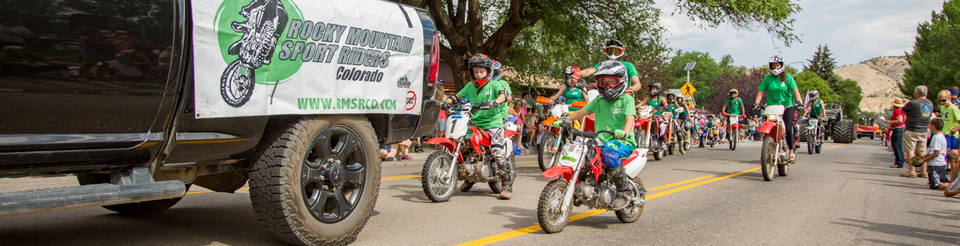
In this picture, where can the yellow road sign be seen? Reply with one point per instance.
(687, 89)
(689, 104)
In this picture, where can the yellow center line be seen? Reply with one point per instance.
(529, 229)
(681, 182)
(842, 145)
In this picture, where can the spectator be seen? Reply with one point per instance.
(936, 160)
(387, 153)
(752, 128)
(954, 91)
(918, 112)
(403, 148)
(950, 129)
(896, 136)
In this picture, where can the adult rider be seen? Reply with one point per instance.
(780, 89)
(490, 95)
(736, 107)
(572, 90)
(614, 49)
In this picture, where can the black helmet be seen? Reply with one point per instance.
(608, 69)
(614, 49)
(484, 61)
(814, 94)
(657, 85)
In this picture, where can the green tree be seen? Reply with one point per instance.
(822, 63)
(935, 60)
(809, 80)
(701, 77)
(492, 27)
(850, 95)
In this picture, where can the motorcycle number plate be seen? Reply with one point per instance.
(570, 155)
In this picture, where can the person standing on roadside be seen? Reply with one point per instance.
(896, 132)
(918, 112)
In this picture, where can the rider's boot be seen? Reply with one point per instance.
(620, 178)
(506, 190)
(466, 186)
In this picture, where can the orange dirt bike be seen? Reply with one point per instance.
(464, 156)
(553, 138)
(581, 178)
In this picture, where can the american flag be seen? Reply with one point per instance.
(125, 67)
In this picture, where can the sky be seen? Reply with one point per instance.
(855, 30)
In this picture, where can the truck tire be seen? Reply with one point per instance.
(803, 130)
(843, 132)
(315, 179)
(141, 208)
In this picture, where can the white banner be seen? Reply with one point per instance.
(270, 57)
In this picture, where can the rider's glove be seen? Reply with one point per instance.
(619, 134)
(488, 104)
(756, 107)
(562, 121)
(798, 103)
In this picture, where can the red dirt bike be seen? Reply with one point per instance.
(593, 186)
(774, 151)
(733, 129)
(647, 125)
(474, 159)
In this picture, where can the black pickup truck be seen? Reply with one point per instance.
(104, 90)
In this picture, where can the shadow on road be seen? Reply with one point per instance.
(949, 237)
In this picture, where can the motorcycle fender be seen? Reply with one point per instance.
(509, 134)
(549, 121)
(632, 169)
(736, 125)
(448, 144)
(767, 127)
(642, 123)
(557, 171)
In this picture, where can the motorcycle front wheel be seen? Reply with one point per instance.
(633, 211)
(545, 152)
(733, 140)
(767, 157)
(439, 176)
(548, 208)
(810, 143)
(236, 84)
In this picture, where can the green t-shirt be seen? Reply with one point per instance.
(486, 119)
(631, 71)
(655, 103)
(571, 95)
(612, 116)
(950, 116)
(733, 106)
(815, 110)
(778, 93)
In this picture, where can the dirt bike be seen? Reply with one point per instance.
(733, 129)
(675, 138)
(814, 136)
(474, 158)
(592, 185)
(645, 127)
(708, 136)
(553, 139)
(774, 151)
(266, 20)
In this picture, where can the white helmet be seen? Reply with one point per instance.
(614, 49)
(776, 59)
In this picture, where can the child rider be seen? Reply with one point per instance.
(489, 95)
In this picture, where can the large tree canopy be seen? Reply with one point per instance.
(493, 27)
(935, 61)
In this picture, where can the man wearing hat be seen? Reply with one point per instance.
(918, 113)
(896, 132)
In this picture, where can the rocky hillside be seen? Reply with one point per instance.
(878, 77)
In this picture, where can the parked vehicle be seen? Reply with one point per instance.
(464, 157)
(581, 179)
(162, 103)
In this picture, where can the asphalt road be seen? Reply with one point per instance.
(845, 196)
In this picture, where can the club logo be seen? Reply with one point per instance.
(403, 82)
(248, 36)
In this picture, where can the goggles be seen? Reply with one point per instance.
(608, 81)
(615, 51)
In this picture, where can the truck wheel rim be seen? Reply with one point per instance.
(332, 174)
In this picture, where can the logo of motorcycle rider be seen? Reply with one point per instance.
(411, 100)
(248, 34)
